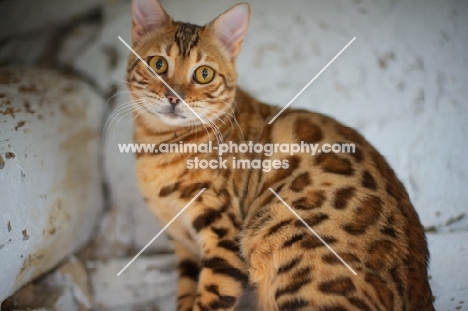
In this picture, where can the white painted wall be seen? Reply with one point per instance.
(50, 176)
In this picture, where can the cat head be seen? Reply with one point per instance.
(186, 75)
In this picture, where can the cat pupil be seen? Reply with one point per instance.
(159, 64)
(205, 73)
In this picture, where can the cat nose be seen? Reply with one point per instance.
(173, 100)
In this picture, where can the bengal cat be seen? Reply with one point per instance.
(237, 232)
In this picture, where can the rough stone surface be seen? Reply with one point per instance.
(49, 171)
(64, 289)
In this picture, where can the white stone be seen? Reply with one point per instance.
(50, 173)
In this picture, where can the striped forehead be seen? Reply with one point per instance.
(186, 37)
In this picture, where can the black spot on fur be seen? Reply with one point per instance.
(229, 245)
(281, 225)
(300, 182)
(221, 266)
(341, 286)
(294, 239)
(293, 304)
(189, 269)
(220, 232)
(289, 265)
(331, 163)
(206, 219)
(368, 181)
(342, 196)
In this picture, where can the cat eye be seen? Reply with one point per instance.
(203, 74)
(158, 64)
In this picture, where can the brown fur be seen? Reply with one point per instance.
(237, 232)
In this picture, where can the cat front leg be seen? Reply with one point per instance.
(189, 269)
(223, 274)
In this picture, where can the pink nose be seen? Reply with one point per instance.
(174, 100)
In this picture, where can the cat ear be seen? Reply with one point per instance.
(147, 15)
(231, 27)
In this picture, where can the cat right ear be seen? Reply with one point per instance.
(231, 27)
(147, 15)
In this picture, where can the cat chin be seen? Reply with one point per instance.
(158, 119)
(173, 120)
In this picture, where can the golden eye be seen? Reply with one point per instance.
(158, 64)
(203, 74)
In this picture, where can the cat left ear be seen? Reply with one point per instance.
(231, 27)
(147, 15)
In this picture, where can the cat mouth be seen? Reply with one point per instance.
(171, 114)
